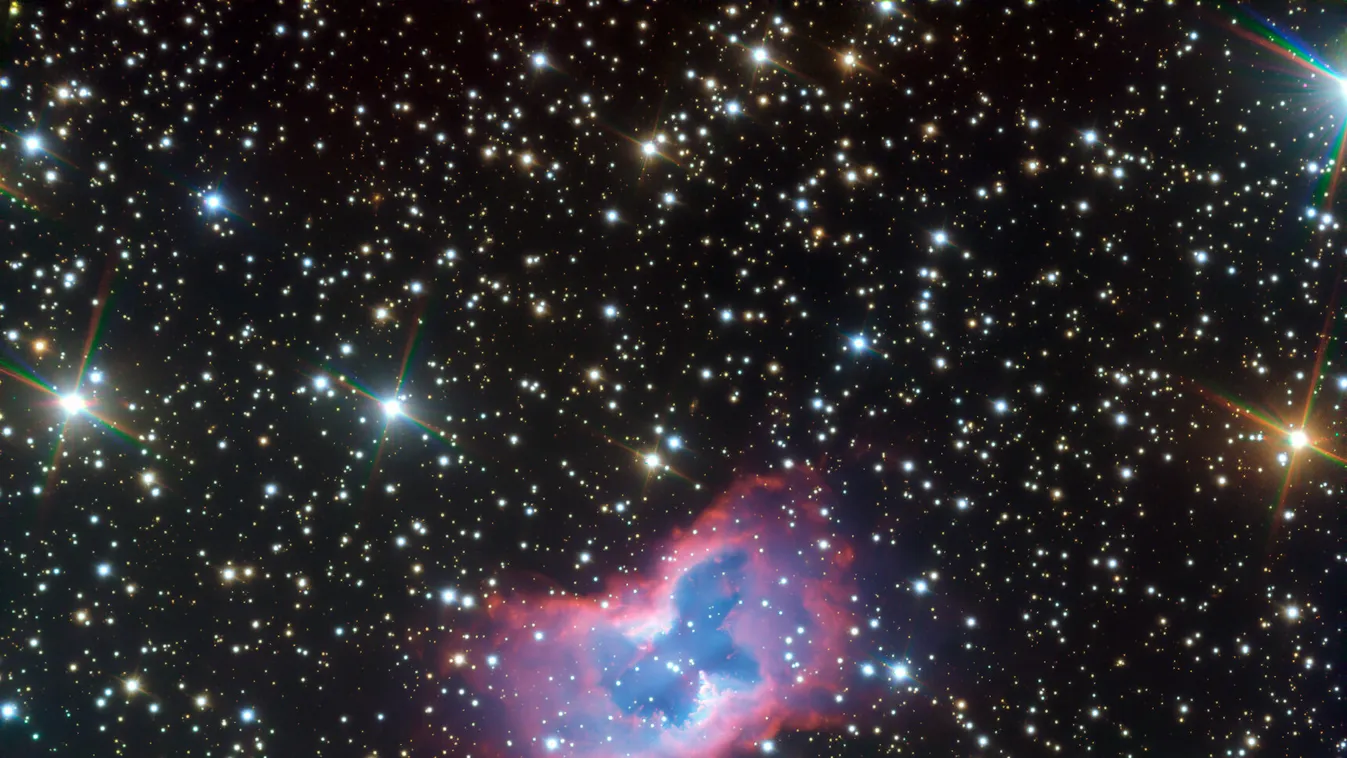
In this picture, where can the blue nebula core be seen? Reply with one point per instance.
(731, 636)
(666, 679)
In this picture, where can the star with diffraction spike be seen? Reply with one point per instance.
(75, 403)
(1309, 65)
(1299, 437)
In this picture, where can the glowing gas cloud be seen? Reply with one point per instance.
(738, 630)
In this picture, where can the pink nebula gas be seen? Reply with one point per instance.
(737, 631)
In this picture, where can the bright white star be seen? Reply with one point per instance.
(73, 403)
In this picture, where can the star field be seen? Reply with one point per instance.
(603, 379)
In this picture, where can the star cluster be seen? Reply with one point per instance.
(393, 379)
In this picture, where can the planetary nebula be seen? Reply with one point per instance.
(737, 630)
